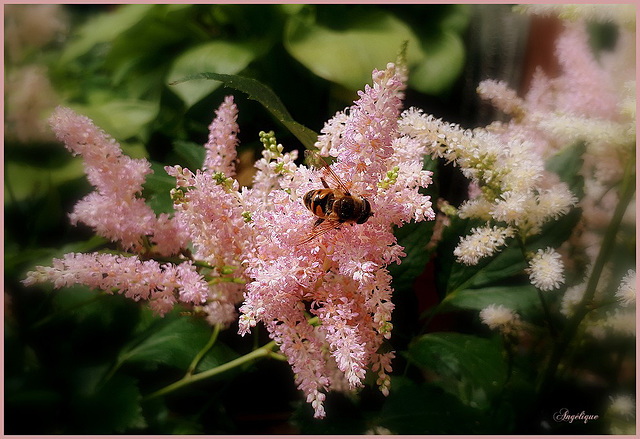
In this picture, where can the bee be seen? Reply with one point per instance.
(333, 206)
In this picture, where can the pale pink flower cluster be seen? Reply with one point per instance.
(622, 14)
(31, 97)
(546, 270)
(482, 242)
(622, 405)
(509, 175)
(208, 207)
(618, 317)
(162, 285)
(115, 210)
(621, 414)
(501, 96)
(592, 100)
(32, 26)
(626, 293)
(223, 140)
(575, 293)
(500, 318)
(340, 276)
(208, 214)
(327, 302)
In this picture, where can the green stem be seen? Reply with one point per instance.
(547, 315)
(204, 350)
(264, 351)
(583, 308)
(9, 187)
(235, 280)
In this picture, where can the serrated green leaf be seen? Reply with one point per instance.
(216, 56)
(423, 409)
(555, 232)
(521, 298)
(172, 341)
(454, 276)
(109, 408)
(508, 263)
(567, 164)
(443, 61)
(265, 96)
(414, 237)
(192, 153)
(157, 189)
(348, 56)
(218, 355)
(92, 310)
(468, 367)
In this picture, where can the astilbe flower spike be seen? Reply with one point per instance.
(500, 318)
(326, 303)
(162, 285)
(114, 210)
(208, 214)
(592, 100)
(341, 276)
(546, 270)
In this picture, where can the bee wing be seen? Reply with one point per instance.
(315, 160)
(320, 229)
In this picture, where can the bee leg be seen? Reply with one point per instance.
(324, 183)
(318, 222)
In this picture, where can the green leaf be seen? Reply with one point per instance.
(108, 408)
(104, 28)
(172, 341)
(92, 311)
(508, 263)
(521, 298)
(468, 367)
(424, 409)
(347, 56)
(265, 96)
(121, 119)
(454, 276)
(414, 237)
(23, 181)
(192, 153)
(456, 19)
(441, 65)
(216, 56)
(157, 189)
(567, 164)
(218, 355)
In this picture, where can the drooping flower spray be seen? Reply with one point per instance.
(341, 276)
(326, 303)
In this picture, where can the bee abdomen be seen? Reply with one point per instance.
(319, 202)
(364, 211)
(352, 209)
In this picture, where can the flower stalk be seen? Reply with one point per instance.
(265, 351)
(584, 306)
